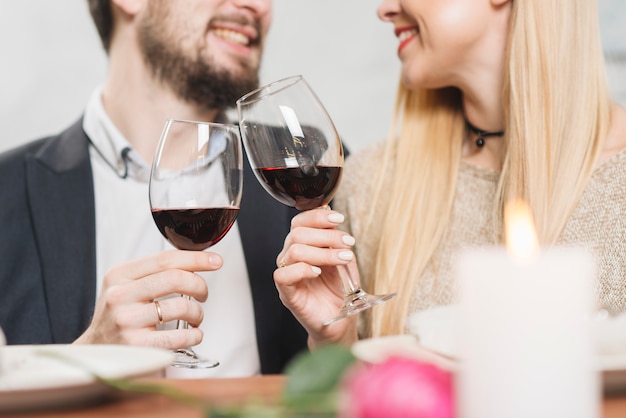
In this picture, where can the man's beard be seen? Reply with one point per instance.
(195, 79)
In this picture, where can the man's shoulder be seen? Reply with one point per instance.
(58, 143)
(16, 155)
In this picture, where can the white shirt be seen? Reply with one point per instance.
(126, 231)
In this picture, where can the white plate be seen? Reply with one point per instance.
(376, 350)
(41, 377)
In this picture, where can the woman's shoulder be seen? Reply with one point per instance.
(357, 179)
(361, 164)
(608, 179)
(365, 156)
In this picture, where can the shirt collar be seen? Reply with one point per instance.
(111, 146)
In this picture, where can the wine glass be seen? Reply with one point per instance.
(297, 156)
(195, 192)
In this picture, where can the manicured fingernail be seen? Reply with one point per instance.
(348, 240)
(336, 218)
(316, 270)
(346, 255)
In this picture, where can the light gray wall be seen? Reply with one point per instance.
(347, 55)
(613, 20)
(52, 60)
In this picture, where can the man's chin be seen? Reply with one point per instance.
(218, 90)
(240, 71)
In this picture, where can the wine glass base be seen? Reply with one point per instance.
(188, 359)
(357, 302)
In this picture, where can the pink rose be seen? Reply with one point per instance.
(398, 387)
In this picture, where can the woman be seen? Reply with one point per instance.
(499, 99)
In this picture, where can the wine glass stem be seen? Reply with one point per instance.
(180, 323)
(350, 286)
(186, 357)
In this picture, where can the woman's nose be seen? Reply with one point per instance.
(388, 9)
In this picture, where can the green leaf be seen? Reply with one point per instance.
(313, 378)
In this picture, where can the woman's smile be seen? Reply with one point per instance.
(405, 35)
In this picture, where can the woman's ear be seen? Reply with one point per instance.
(499, 3)
(130, 7)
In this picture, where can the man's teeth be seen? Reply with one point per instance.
(403, 36)
(232, 36)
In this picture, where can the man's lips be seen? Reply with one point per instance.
(406, 35)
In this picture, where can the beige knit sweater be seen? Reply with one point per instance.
(598, 223)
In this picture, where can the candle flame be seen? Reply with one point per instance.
(521, 237)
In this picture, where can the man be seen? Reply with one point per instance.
(77, 227)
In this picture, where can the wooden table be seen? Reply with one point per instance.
(614, 407)
(219, 392)
(233, 391)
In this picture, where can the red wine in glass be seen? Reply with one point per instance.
(194, 229)
(306, 187)
(297, 156)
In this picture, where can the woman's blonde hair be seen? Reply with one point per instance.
(557, 111)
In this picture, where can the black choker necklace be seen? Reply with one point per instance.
(480, 141)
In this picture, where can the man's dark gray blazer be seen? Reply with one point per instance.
(47, 249)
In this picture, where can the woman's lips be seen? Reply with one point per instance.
(406, 35)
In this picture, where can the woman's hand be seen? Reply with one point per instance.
(125, 312)
(308, 280)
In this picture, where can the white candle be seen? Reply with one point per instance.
(525, 340)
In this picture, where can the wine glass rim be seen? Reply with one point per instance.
(249, 97)
(200, 122)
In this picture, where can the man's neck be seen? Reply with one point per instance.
(139, 106)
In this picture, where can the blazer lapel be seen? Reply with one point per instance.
(60, 188)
